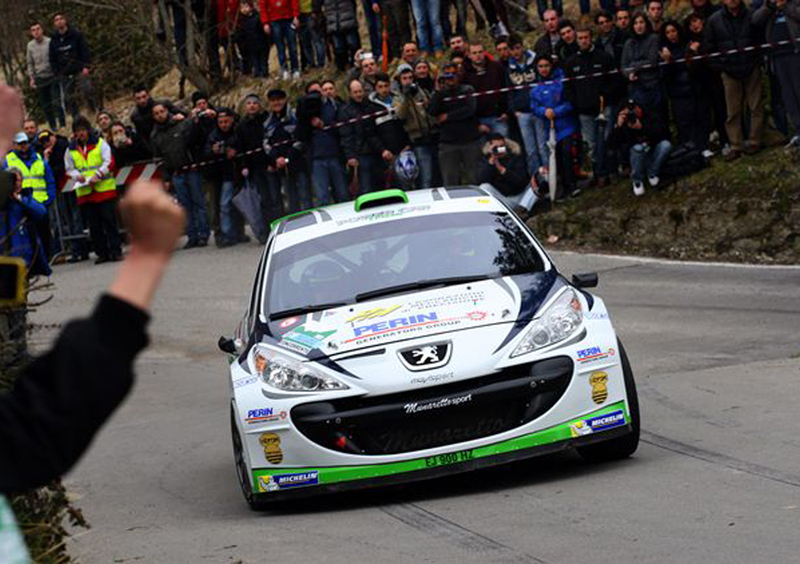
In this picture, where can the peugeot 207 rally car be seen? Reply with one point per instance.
(405, 336)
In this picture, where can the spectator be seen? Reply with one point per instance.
(503, 166)
(567, 47)
(361, 144)
(372, 11)
(171, 140)
(69, 60)
(142, 113)
(18, 231)
(702, 9)
(306, 33)
(126, 146)
(421, 128)
(38, 182)
(640, 60)
(655, 13)
(342, 26)
(389, 126)
(104, 121)
(461, 19)
(427, 16)
(459, 136)
(522, 72)
(558, 9)
(547, 43)
(31, 129)
(622, 19)
(280, 19)
(40, 77)
(710, 83)
(781, 18)
(483, 74)
(644, 133)
(503, 51)
(458, 45)
(367, 74)
(553, 111)
(689, 105)
(284, 153)
(319, 34)
(227, 14)
(732, 28)
(316, 114)
(221, 149)
(423, 78)
(90, 164)
(253, 43)
(458, 60)
(590, 98)
(398, 25)
(610, 38)
(250, 138)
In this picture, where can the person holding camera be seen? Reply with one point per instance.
(18, 232)
(644, 133)
(421, 128)
(221, 149)
(503, 166)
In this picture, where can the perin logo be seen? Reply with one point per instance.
(594, 353)
(264, 414)
(415, 407)
(410, 321)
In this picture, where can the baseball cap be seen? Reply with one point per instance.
(405, 67)
(21, 137)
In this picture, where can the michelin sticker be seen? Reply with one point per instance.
(596, 424)
(287, 481)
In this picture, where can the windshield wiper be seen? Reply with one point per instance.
(301, 310)
(447, 281)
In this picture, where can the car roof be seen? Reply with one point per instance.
(318, 222)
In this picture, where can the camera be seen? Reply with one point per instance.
(411, 88)
(499, 150)
(631, 118)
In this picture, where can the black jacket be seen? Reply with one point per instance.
(69, 53)
(492, 77)
(461, 125)
(361, 137)
(128, 154)
(516, 177)
(585, 95)
(172, 142)
(653, 131)
(223, 168)
(63, 397)
(280, 139)
(250, 136)
(142, 118)
(725, 31)
(544, 46)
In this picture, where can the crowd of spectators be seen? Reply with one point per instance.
(617, 98)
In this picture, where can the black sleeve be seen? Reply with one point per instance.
(63, 397)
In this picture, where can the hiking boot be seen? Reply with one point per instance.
(752, 150)
(732, 155)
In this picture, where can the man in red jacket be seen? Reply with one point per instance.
(280, 19)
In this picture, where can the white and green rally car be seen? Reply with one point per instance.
(408, 335)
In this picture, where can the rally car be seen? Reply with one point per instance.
(409, 335)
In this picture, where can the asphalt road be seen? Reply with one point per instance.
(716, 478)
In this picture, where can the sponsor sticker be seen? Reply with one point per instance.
(433, 378)
(286, 481)
(372, 314)
(264, 415)
(416, 407)
(593, 354)
(449, 458)
(245, 381)
(389, 214)
(599, 383)
(289, 322)
(271, 443)
(396, 323)
(303, 340)
(596, 424)
(446, 301)
(596, 315)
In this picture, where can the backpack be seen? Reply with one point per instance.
(683, 160)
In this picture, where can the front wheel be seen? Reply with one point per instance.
(242, 470)
(621, 447)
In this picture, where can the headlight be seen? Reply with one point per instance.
(556, 323)
(288, 375)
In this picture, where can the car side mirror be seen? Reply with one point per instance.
(585, 280)
(227, 345)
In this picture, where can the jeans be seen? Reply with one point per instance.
(594, 133)
(585, 6)
(271, 201)
(777, 107)
(459, 163)
(345, 44)
(369, 173)
(427, 158)
(189, 187)
(226, 226)
(527, 128)
(542, 137)
(645, 97)
(375, 28)
(307, 50)
(646, 159)
(283, 33)
(496, 125)
(461, 18)
(329, 173)
(69, 96)
(49, 94)
(787, 71)
(296, 186)
(427, 15)
(541, 6)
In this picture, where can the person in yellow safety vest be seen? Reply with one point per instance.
(39, 179)
(90, 165)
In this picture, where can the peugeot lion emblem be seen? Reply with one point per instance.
(426, 357)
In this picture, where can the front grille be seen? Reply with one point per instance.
(436, 416)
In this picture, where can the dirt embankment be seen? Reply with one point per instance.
(745, 211)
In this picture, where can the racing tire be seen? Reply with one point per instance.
(624, 446)
(242, 471)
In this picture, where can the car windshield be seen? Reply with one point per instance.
(365, 260)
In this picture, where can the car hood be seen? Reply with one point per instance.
(511, 300)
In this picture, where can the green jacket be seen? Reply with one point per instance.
(421, 127)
